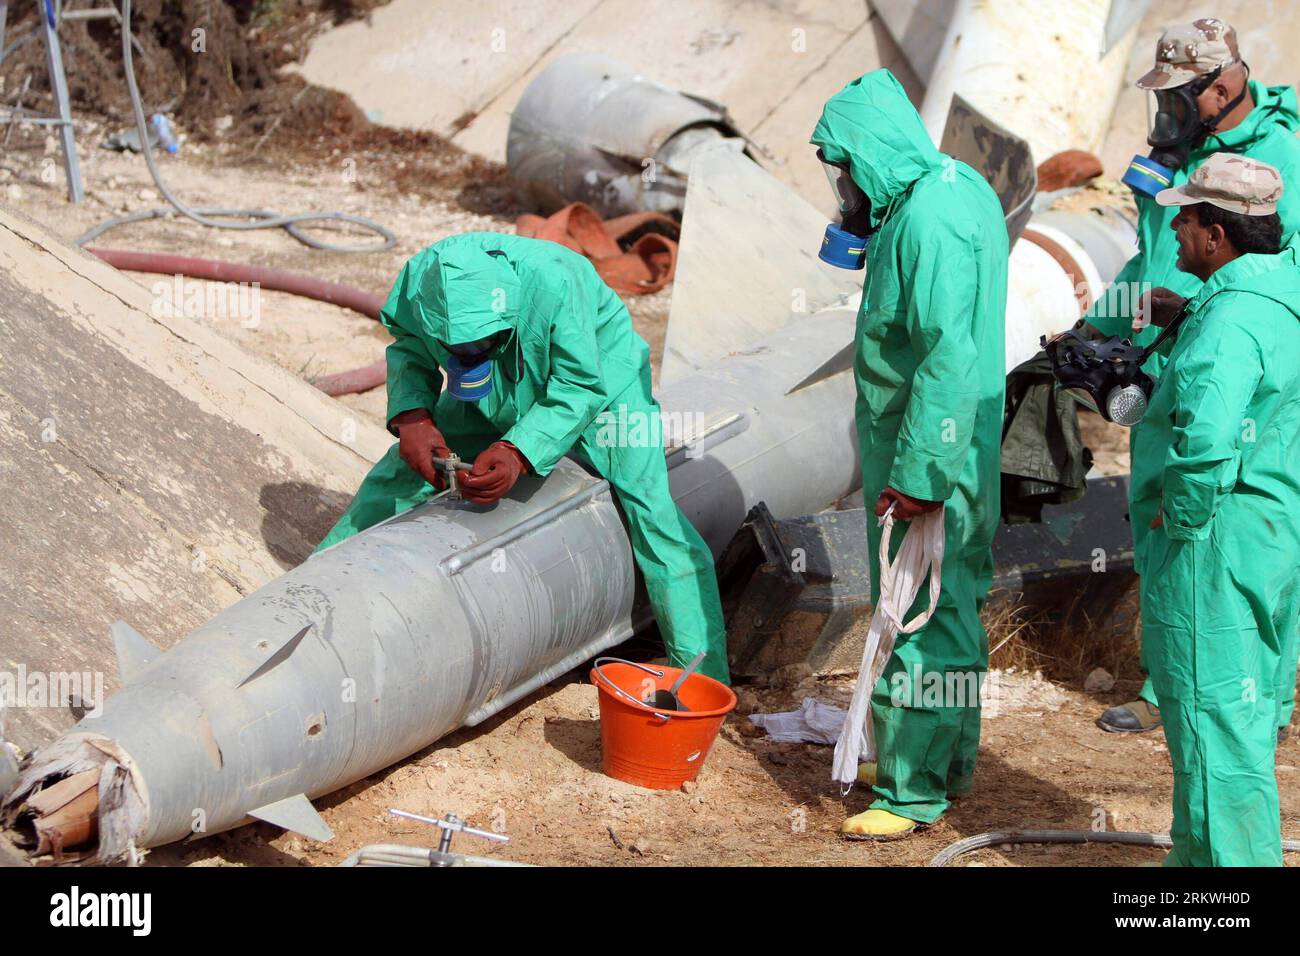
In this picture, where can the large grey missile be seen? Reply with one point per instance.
(442, 616)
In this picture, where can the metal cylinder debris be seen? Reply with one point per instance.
(589, 130)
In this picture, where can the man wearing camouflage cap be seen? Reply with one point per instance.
(1207, 104)
(1216, 485)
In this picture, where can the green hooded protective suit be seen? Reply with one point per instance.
(1216, 455)
(930, 371)
(572, 356)
(1267, 134)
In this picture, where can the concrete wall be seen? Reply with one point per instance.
(152, 470)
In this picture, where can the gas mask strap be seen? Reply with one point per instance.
(1167, 331)
(1212, 125)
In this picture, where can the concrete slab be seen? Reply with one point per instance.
(434, 64)
(459, 69)
(784, 132)
(746, 54)
(153, 471)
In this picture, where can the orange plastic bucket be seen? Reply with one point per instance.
(652, 748)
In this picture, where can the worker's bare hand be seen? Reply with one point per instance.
(494, 473)
(905, 506)
(1157, 307)
(419, 442)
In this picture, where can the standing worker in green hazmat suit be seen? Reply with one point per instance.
(930, 374)
(536, 348)
(1206, 103)
(1216, 481)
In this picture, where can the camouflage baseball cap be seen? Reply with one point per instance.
(1232, 182)
(1187, 51)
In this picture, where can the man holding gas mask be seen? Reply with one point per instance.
(1205, 103)
(1216, 484)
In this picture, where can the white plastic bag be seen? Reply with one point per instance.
(921, 551)
(813, 723)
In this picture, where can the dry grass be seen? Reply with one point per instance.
(1066, 645)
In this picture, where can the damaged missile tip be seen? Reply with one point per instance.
(60, 816)
(76, 802)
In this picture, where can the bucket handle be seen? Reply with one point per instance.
(620, 691)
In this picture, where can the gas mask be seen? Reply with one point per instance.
(469, 367)
(1176, 128)
(845, 242)
(1106, 375)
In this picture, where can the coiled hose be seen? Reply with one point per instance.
(1000, 837)
(248, 218)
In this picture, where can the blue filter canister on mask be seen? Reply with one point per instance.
(843, 249)
(469, 381)
(1147, 177)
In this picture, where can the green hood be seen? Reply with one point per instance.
(872, 126)
(1274, 106)
(467, 288)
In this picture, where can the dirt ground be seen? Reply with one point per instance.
(534, 773)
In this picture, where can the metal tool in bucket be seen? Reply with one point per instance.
(650, 746)
(595, 669)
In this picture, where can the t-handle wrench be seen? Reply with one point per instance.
(449, 466)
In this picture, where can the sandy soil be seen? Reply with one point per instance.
(534, 773)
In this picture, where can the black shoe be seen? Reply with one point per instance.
(1135, 717)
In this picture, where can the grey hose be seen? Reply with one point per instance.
(251, 218)
(998, 837)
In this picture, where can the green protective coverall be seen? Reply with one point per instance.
(1267, 134)
(1216, 454)
(930, 375)
(573, 355)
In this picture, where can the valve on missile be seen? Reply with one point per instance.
(449, 466)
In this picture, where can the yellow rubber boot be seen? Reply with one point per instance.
(877, 825)
(867, 773)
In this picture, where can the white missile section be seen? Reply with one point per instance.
(444, 615)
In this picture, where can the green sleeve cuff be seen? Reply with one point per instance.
(923, 479)
(1184, 532)
(531, 448)
(1189, 505)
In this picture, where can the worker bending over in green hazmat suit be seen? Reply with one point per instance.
(535, 347)
(930, 371)
(1206, 104)
(1216, 480)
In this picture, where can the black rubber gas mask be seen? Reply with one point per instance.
(1105, 376)
(1176, 128)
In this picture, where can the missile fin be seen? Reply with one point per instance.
(132, 650)
(749, 246)
(841, 361)
(276, 659)
(297, 814)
